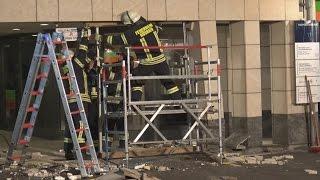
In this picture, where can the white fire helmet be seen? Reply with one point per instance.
(129, 17)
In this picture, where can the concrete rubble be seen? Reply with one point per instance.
(59, 178)
(73, 177)
(151, 167)
(163, 168)
(311, 172)
(257, 159)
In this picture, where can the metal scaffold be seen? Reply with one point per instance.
(199, 103)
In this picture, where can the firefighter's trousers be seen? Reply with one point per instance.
(68, 144)
(93, 119)
(159, 69)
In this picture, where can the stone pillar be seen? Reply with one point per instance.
(224, 49)
(265, 80)
(205, 33)
(288, 119)
(246, 83)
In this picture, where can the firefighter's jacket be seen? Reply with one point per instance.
(79, 62)
(141, 33)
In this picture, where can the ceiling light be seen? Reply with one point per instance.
(44, 24)
(16, 29)
(34, 35)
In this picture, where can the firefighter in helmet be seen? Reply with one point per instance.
(143, 33)
(79, 61)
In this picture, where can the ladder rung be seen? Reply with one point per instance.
(89, 165)
(27, 125)
(86, 147)
(42, 75)
(14, 158)
(23, 142)
(57, 42)
(65, 77)
(71, 94)
(31, 109)
(45, 59)
(76, 112)
(36, 93)
(61, 60)
(80, 129)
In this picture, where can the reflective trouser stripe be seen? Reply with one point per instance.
(173, 90)
(69, 140)
(137, 89)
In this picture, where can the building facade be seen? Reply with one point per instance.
(253, 38)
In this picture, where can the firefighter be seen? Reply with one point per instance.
(79, 62)
(114, 92)
(93, 111)
(142, 33)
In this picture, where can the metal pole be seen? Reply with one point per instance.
(309, 9)
(106, 130)
(147, 125)
(99, 92)
(125, 110)
(185, 38)
(129, 76)
(219, 111)
(209, 72)
(186, 70)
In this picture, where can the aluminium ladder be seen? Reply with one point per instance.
(31, 100)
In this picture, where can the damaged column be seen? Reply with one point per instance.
(246, 82)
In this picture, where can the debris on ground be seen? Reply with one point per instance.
(269, 161)
(311, 172)
(131, 173)
(163, 168)
(141, 166)
(36, 155)
(223, 178)
(59, 178)
(73, 177)
(237, 140)
(147, 167)
(236, 158)
(36, 173)
(149, 177)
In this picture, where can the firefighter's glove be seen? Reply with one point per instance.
(65, 69)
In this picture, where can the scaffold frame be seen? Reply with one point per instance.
(133, 107)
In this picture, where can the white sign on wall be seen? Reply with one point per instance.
(307, 62)
(69, 34)
(308, 50)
